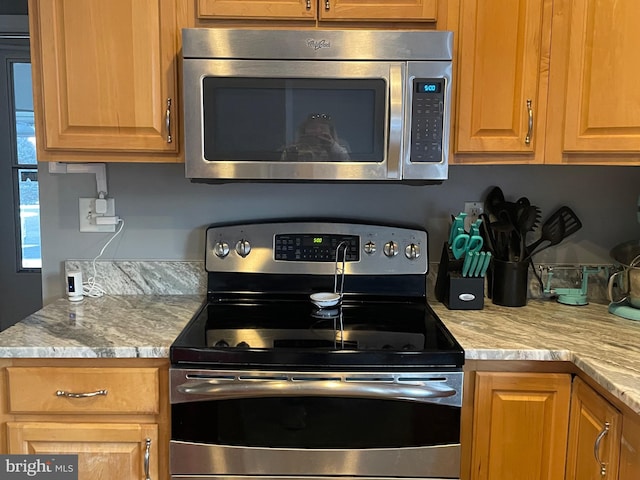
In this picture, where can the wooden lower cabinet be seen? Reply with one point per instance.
(112, 413)
(105, 451)
(520, 425)
(630, 448)
(594, 436)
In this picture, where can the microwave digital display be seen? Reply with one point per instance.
(294, 119)
(428, 87)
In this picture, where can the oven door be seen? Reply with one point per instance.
(376, 424)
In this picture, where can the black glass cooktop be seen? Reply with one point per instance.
(294, 333)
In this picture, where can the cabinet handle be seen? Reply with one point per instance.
(527, 139)
(327, 5)
(147, 455)
(308, 4)
(62, 393)
(167, 121)
(596, 449)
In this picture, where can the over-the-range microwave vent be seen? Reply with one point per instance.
(328, 106)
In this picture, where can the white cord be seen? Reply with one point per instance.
(91, 288)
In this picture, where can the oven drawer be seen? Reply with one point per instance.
(83, 390)
(194, 459)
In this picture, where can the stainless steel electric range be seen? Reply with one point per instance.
(264, 383)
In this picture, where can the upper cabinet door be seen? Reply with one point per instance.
(376, 10)
(104, 76)
(259, 9)
(597, 65)
(382, 10)
(502, 77)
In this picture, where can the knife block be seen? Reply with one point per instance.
(454, 290)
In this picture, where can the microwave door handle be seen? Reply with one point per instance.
(224, 390)
(396, 119)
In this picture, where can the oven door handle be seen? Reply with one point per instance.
(223, 390)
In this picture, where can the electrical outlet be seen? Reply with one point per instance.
(473, 211)
(87, 213)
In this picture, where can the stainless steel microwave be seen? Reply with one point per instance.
(317, 105)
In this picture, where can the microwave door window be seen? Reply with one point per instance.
(294, 120)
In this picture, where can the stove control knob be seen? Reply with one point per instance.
(412, 251)
(221, 249)
(243, 247)
(391, 249)
(242, 345)
(221, 344)
(370, 248)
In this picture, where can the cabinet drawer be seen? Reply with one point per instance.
(83, 390)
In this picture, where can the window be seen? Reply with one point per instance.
(25, 170)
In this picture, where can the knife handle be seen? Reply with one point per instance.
(480, 264)
(466, 264)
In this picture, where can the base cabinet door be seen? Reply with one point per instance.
(630, 448)
(105, 451)
(520, 426)
(594, 436)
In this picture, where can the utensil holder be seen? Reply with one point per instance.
(509, 283)
(452, 289)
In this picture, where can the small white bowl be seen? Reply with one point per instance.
(325, 299)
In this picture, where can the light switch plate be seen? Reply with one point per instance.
(87, 209)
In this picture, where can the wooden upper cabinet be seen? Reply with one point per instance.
(594, 436)
(333, 10)
(595, 72)
(520, 425)
(383, 10)
(502, 78)
(105, 79)
(260, 9)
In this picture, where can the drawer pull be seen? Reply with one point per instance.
(62, 393)
(147, 455)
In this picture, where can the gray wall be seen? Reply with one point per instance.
(166, 214)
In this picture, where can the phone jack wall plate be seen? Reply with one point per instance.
(87, 212)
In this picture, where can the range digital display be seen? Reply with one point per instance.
(315, 247)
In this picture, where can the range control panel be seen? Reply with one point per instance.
(312, 248)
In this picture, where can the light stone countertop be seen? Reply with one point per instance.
(604, 346)
(123, 326)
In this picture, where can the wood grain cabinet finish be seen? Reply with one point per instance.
(594, 94)
(339, 10)
(594, 436)
(112, 413)
(83, 390)
(630, 448)
(105, 451)
(520, 426)
(105, 79)
(502, 80)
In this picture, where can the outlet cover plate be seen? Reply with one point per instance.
(87, 208)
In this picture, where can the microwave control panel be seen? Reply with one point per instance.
(427, 116)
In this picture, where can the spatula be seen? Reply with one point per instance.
(562, 223)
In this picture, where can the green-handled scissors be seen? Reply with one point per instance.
(467, 242)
